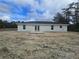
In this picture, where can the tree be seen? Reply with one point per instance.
(59, 18)
(6, 24)
(1, 24)
(72, 11)
(69, 14)
(77, 12)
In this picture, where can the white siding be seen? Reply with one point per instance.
(20, 28)
(43, 28)
(58, 29)
(28, 28)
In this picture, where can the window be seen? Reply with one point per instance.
(24, 27)
(60, 26)
(51, 27)
(37, 28)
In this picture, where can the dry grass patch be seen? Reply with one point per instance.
(22, 45)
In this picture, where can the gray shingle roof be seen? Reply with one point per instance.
(38, 22)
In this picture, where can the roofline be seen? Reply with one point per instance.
(38, 23)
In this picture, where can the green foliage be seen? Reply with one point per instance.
(74, 27)
(59, 18)
(6, 24)
(72, 11)
(69, 14)
(1, 24)
(77, 27)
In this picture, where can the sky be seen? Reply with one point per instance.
(31, 10)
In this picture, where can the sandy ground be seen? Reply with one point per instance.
(22, 45)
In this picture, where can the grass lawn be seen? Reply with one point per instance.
(23, 45)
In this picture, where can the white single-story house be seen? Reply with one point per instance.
(41, 26)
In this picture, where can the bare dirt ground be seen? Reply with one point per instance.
(22, 45)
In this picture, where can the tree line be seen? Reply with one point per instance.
(6, 24)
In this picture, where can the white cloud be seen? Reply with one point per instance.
(51, 7)
(4, 8)
(24, 2)
(31, 19)
(5, 18)
(55, 5)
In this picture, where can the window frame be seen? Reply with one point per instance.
(52, 27)
(37, 28)
(60, 26)
(24, 27)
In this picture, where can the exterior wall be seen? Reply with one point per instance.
(56, 28)
(43, 28)
(28, 28)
